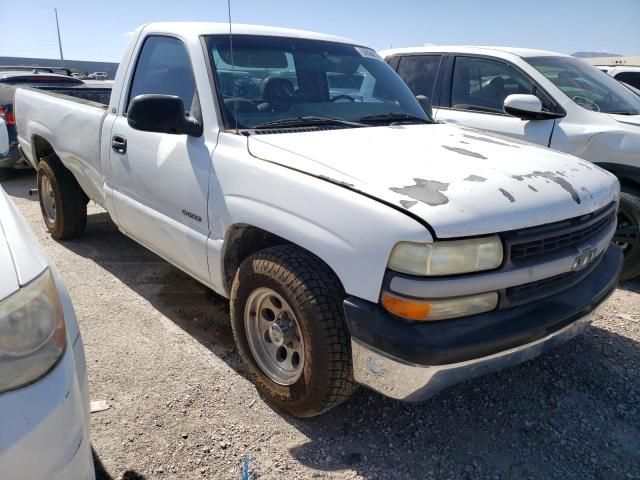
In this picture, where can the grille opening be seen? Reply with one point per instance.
(564, 235)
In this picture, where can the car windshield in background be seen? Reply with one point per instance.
(277, 79)
(587, 86)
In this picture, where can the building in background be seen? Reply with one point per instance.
(614, 61)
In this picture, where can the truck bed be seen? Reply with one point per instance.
(69, 120)
(100, 95)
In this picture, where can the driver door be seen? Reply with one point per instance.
(476, 99)
(160, 180)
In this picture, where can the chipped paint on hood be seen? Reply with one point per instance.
(434, 171)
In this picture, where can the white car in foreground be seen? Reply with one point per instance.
(44, 401)
(546, 98)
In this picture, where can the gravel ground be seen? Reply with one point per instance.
(160, 351)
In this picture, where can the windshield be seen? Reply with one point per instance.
(587, 86)
(275, 79)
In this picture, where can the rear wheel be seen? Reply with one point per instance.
(62, 202)
(627, 234)
(289, 327)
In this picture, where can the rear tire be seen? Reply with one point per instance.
(627, 234)
(311, 297)
(62, 202)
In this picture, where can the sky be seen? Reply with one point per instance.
(99, 29)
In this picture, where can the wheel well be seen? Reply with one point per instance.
(629, 182)
(41, 148)
(244, 240)
(628, 177)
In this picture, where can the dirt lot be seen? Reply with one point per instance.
(159, 350)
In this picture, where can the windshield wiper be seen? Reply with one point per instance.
(393, 118)
(307, 121)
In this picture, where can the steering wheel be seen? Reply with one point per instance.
(586, 103)
(343, 97)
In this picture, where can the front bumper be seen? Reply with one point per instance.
(414, 361)
(45, 432)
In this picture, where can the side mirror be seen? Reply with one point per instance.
(162, 114)
(425, 103)
(527, 107)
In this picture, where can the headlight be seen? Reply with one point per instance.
(440, 309)
(447, 257)
(32, 333)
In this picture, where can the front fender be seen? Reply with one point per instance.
(352, 233)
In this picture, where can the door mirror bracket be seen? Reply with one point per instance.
(162, 114)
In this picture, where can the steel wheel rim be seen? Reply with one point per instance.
(47, 198)
(274, 336)
(627, 235)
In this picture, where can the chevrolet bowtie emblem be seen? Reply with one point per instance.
(585, 258)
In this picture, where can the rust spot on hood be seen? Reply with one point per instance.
(425, 191)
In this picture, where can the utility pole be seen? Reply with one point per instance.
(59, 41)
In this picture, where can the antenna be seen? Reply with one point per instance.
(59, 41)
(233, 69)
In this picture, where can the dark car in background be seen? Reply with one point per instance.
(48, 78)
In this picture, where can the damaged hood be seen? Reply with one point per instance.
(462, 182)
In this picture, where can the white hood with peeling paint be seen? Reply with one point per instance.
(462, 183)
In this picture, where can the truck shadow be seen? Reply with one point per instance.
(17, 183)
(102, 474)
(574, 410)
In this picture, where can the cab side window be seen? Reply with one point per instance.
(481, 84)
(164, 68)
(419, 72)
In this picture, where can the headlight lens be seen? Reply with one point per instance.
(447, 257)
(32, 333)
(440, 309)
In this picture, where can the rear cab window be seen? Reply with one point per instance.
(39, 79)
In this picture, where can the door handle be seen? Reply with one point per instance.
(119, 144)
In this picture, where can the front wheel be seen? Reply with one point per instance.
(627, 234)
(288, 324)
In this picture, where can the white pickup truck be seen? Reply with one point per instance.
(358, 241)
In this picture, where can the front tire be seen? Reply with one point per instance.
(62, 202)
(627, 234)
(289, 328)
